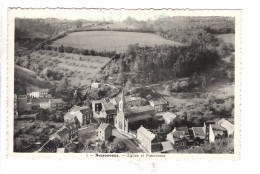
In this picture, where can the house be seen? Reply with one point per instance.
(73, 130)
(83, 114)
(160, 105)
(109, 111)
(216, 131)
(167, 147)
(43, 93)
(56, 104)
(199, 135)
(44, 103)
(148, 140)
(104, 131)
(67, 133)
(227, 125)
(35, 92)
(179, 137)
(134, 101)
(60, 150)
(62, 134)
(104, 110)
(70, 147)
(50, 146)
(95, 85)
(169, 117)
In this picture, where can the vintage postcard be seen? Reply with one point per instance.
(144, 83)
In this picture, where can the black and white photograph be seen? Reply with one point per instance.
(125, 82)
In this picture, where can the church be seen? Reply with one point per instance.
(131, 115)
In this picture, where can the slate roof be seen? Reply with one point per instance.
(218, 127)
(198, 132)
(56, 100)
(103, 126)
(169, 115)
(184, 129)
(159, 102)
(108, 106)
(71, 126)
(70, 146)
(167, 146)
(140, 109)
(146, 133)
(62, 132)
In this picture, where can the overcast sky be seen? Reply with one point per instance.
(105, 14)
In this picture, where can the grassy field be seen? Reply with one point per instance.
(227, 38)
(79, 69)
(111, 40)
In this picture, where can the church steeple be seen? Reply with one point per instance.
(122, 102)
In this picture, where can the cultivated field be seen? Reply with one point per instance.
(111, 40)
(79, 69)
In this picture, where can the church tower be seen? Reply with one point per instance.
(122, 103)
(120, 122)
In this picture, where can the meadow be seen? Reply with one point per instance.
(111, 40)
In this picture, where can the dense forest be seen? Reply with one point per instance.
(159, 63)
(186, 29)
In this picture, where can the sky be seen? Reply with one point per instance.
(106, 14)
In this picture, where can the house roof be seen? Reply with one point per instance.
(108, 106)
(198, 131)
(140, 109)
(131, 98)
(44, 90)
(217, 127)
(103, 126)
(146, 133)
(169, 115)
(71, 125)
(178, 134)
(60, 150)
(56, 100)
(70, 146)
(225, 124)
(83, 109)
(63, 131)
(159, 101)
(167, 146)
(184, 129)
(224, 121)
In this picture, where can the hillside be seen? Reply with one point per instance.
(24, 77)
(79, 69)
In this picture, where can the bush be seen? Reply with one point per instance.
(118, 146)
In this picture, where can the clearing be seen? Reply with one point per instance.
(111, 40)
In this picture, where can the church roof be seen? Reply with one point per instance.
(140, 109)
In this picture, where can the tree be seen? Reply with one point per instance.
(63, 85)
(118, 146)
